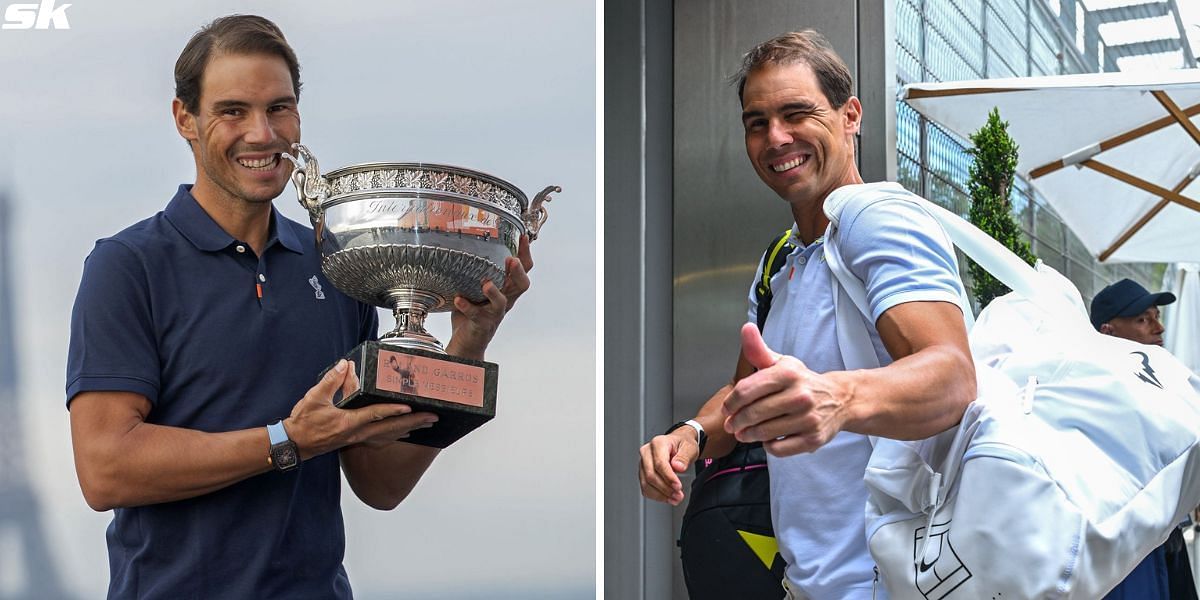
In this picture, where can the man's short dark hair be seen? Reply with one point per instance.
(233, 34)
(804, 46)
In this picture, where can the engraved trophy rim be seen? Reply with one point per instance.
(425, 193)
(412, 263)
(511, 188)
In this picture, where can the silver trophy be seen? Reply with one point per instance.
(410, 237)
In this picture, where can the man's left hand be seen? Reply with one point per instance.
(474, 325)
(785, 405)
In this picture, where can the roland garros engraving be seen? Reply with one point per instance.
(448, 382)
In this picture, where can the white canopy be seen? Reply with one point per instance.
(1115, 154)
(1182, 318)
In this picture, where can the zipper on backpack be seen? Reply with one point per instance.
(875, 584)
(732, 470)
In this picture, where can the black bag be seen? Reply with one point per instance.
(727, 544)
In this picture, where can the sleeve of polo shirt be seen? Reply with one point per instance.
(113, 345)
(899, 251)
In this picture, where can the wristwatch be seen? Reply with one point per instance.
(285, 455)
(701, 437)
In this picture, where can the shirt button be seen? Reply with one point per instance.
(262, 278)
(241, 248)
(801, 260)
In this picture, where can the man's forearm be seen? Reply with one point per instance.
(710, 417)
(382, 477)
(912, 398)
(149, 464)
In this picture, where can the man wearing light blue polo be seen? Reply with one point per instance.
(791, 389)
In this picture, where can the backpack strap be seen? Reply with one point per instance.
(773, 260)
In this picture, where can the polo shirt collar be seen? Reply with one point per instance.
(799, 243)
(186, 214)
(285, 232)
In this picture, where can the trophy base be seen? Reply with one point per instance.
(460, 391)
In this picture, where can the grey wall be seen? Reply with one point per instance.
(638, 547)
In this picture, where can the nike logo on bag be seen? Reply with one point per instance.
(926, 566)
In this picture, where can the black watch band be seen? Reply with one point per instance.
(701, 437)
(284, 454)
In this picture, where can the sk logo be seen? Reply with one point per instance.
(316, 286)
(36, 16)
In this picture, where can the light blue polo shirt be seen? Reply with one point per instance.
(818, 500)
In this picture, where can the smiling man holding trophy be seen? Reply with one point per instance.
(197, 333)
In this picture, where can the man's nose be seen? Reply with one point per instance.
(1158, 327)
(259, 129)
(778, 134)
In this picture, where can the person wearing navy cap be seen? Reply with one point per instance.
(1127, 310)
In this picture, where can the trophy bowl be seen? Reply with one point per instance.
(411, 237)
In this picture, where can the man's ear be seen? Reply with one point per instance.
(1106, 329)
(185, 122)
(853, 112)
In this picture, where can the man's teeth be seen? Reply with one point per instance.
(261, 164)
(791, 164)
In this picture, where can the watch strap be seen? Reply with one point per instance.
(701, 437)
(284, 455)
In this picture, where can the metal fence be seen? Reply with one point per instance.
(950, 40)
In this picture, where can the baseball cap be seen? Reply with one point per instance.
(1125, 298)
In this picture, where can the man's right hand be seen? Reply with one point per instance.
(663, 458)
(317, 426)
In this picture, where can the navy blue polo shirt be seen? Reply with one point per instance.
(218, 339)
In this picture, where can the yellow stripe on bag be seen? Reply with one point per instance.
(764, 546)
(766, 272)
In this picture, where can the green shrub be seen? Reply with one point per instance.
(990, 184)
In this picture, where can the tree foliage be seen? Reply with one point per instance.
(990, 184)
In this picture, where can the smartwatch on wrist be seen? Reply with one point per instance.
(701, 437)
(285, 455)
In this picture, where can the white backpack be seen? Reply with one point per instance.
(1077, 460)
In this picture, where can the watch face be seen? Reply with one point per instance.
(284, 456)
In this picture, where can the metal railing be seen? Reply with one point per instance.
(949, 40)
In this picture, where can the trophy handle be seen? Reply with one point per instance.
(536, 215)
(310, 185)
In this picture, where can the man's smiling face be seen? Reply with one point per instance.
(246, 118)
(800, 145)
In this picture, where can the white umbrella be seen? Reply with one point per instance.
(1182, 318)
(1115, 154)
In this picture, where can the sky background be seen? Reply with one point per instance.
(507, 87)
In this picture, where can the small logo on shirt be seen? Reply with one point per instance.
(320, 294)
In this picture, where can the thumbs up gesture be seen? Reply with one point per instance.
(788, 407)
